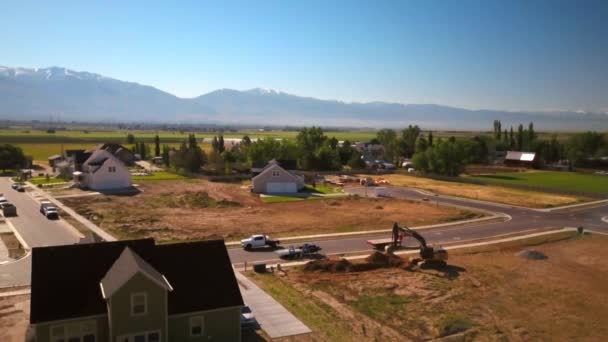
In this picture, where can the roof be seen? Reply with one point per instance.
(272, 166)
(97, 159)
(65, 279)
(520, 156)
(55, 156)
(124, 268)
(288, 164)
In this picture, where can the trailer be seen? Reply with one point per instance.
(380, 244)
(298, 252)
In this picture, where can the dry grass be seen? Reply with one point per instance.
(491, 193)
(14, 318)
(490, 296)
(181, 210)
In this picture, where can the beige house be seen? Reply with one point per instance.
(274, 179)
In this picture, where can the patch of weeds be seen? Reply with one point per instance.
(380, 305)
(454, 323)
(198, 199)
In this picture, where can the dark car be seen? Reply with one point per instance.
(247, 318)
(20, 188)
(8, 209)
(15, 185)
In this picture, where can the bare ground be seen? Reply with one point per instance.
(487, 296)
(181, 210)
(14, 318)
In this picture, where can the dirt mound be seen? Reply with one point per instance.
(382, 259)
(328, 265)
(531, 254)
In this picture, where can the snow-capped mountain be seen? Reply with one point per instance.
(83, 96)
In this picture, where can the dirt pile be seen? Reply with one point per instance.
(329, 265)
(382, 259)
(531, 254)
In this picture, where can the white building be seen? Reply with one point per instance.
(103, 171)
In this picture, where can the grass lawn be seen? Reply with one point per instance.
(572, 181)
(324, 189)
(493, 193)
(43, 180)
(161, 175)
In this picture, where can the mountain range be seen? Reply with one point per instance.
(82, 96)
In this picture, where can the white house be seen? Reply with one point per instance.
(103, 171)
(275, 179)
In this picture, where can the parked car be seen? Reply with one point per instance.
(298, 252)
(15, 185)
(257, 241)
(3, 199)
(20, 188)
(247, 318)
(49, 210)
(8, 209)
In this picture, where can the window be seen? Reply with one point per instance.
(276, 173)
(197, 326)
(150, 336)
(139, 304)
(75, 332)
(112, 169)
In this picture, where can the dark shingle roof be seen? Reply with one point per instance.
(65, 279)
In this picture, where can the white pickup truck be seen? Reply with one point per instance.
(257, 241)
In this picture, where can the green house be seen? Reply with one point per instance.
(134, 291)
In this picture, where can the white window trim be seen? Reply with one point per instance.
(200, 319)
(145, 295)
(65, 336)
(276, 173)
(131, 337)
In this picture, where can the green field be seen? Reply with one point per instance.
(119, 136)
(568, 181)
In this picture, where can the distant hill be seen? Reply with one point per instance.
(82, 96)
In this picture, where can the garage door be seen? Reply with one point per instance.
(281, 187)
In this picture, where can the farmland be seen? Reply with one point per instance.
(493, 193)
(569, 181)
(230, 211)
(484, 296)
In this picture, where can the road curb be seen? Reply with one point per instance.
(379, 231)
(468, 245)
(18, 236)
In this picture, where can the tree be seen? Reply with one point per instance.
(445, 158)
(214, 144)
(520, 137)
(388, 140)
(356, 161)
(346, 152)
(130, 139)
(421, 144)
(192, 143)
(531, 136)
(246, 140)
(327, 158)
(165, 155)
(430, 139)
(505, 137)
(156, 145)
(220, 144)
(582, 147)
(409, 136)
(308, 141)
(511, 139)
(11, 157)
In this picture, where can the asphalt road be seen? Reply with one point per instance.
(522, 220)
(35, 230)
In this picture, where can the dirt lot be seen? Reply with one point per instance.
(503, 295)
(197, 209)
(14, 318)
(486, 192)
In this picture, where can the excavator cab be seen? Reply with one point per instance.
(428, 254)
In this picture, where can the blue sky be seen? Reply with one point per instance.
(474, 54)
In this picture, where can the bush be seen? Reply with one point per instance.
(453, 324)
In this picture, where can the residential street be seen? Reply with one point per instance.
(35, 230)
(522, 220)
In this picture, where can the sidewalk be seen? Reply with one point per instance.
(273, 318)
(4, 255)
